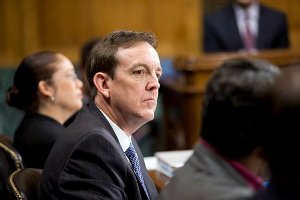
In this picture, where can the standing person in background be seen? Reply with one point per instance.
(97, 157)
(46, 87)
(227, 160)
(281, 146)
(245, 25)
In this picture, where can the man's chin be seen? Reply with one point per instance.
(149, 116)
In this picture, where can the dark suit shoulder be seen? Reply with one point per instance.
(90, 131)
(97, 154)
(39, 127)
(94, 161)
(88, 119)
(220, 14)
(89, 155)
(271, 11)
(273, 17)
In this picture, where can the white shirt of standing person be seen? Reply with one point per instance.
(253, 16)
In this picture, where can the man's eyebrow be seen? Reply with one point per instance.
(139, 64)
(159, 69)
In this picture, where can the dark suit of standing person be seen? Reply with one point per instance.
(228, 159)
(90, 160)
(225, 29)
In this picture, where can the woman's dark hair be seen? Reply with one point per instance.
(23, 94)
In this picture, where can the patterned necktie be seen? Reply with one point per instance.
(249, 40)
(135, 164)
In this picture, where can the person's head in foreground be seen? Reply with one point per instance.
(228, 159)
(281, 145)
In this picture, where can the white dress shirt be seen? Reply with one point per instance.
(123, 138)
(253, 17)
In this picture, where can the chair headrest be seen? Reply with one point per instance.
(23, 183)
(13, 153)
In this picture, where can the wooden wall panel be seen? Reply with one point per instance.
(9, 31)
(64, 25)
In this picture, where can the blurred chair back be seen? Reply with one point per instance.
(23, 184)
(10, 161)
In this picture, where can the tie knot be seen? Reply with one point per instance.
(130, 152)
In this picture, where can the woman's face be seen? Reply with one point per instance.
(67, 88)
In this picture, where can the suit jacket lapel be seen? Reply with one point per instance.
(263, 23)
(102, 120)
(104, 123)
(231, 29)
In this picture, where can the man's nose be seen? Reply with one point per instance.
(153, 83)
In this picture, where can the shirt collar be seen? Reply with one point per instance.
(123, 138)
(253, 180)
(252, 10)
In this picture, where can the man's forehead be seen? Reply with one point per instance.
(138, 51)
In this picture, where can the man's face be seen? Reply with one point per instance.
(134, 89)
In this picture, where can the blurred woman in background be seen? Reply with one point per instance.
(46, 87)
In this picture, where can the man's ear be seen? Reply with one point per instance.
(45, 89)
(100, 81)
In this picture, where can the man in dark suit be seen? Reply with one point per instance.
(245, 25)
(97, 157)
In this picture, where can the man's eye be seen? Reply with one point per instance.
(138, 72)
(158, 75)
(72, 76)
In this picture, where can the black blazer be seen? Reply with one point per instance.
(87, 162)
(35, 137)
(221, 31)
